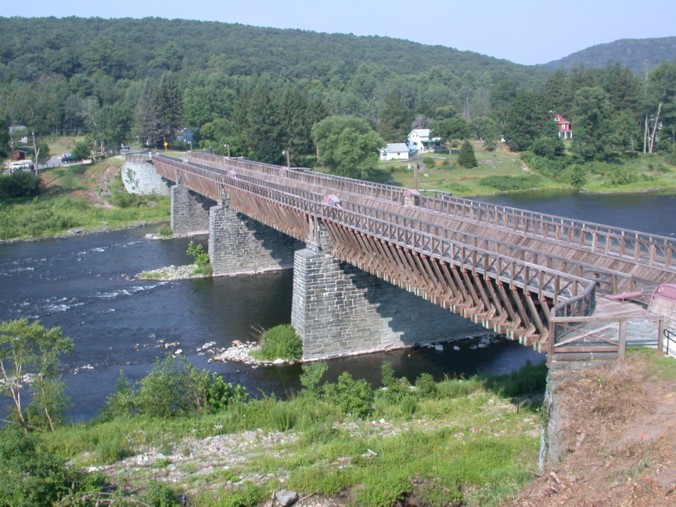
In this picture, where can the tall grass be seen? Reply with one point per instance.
(454, 442)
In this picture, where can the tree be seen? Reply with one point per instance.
(295, 118)
(661, 97)
(395, 119)
(258, 124)
(450, 129)
(466, 157)
(169, 101)
(592, 115)
(527, 118)
(487, 130)
(347, 145)
(30, 353)
(148, 121)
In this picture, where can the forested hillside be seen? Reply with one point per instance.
(640, 55)
(268, 94)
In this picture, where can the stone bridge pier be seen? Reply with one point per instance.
(337, 309)
(340, 310)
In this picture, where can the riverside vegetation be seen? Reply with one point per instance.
(181, 436)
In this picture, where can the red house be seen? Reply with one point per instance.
(565, 132)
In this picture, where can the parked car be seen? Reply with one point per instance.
(67, 157)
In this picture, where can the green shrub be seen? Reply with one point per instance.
(395, 389)
(111, 448)
(159, 494)
(122, 402)
(425, 386)
(280, 342)
(165, 231)
(312, 376)
(19, 184)
(528, 380)
(174, 387)
(353, 397)
(466, 157)
(623, 176)
(199, 257)
(511, 183)
(30, 475)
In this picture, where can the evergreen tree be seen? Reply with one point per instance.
(466, 156)
(395, 120)
(259, 126)
(148, 123)
(169, 102)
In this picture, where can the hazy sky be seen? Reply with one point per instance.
(522, 31)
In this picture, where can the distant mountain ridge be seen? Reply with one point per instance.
(640, 55)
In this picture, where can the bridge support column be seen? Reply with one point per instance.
(189, 211)
(340, 310)
(239, 244)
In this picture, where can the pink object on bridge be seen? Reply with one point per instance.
(626, 295)
(666, 291)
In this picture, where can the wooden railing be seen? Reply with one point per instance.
(411, 234)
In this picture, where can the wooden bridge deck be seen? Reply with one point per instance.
(457, 253)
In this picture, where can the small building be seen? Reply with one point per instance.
(18, 155)
(394, 151)
(565, 132)
(419, 140)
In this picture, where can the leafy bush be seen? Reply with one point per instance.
(165, 231)
(353, 397)
(394, 388)
(623, 176)
(199, 257)
(30, 475)
(159, 494)
(19, 184)
(425, 386)
(312, 376)
(528, 380)
(577, 176)
(511, 183)
(174, 387)
(280, 342)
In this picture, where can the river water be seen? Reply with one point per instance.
(88, 286)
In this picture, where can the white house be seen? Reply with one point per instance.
(419, 140)
(394, 151)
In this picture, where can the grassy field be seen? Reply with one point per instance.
(503, 171)
(80, 197)
(456, 442)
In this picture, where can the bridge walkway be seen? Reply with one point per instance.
(614, 273)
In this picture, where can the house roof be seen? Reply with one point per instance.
(422, 133)
(396, 147)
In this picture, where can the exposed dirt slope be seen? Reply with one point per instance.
(620, 437)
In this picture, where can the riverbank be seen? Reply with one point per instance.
(90, 199)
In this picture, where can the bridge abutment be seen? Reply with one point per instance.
(189, 211)
(239, 244)
(340, 310)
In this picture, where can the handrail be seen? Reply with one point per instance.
(648, 249)
(670, 339)
(580, 305)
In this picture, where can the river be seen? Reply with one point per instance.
(87, 285)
